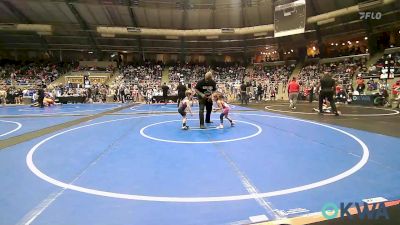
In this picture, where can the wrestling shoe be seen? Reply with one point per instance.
(233, 124)
(220, 127)
(210, 122)
(202, 126)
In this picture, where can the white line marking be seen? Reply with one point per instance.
(54, 108)
(394, 112)
(12, 131)
(259, 130)
(251, 189)
(352, 170)
(71, 113)
(171, 109)
(35, 212)
(30, 217)
(75, 111)
(199, 129)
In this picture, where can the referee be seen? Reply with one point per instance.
(41, 96)
(327, 90)
(204, 89)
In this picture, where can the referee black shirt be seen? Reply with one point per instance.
(181, 90)
(206, 87)
(327, 83)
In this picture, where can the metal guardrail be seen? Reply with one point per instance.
(342, 58)
(392, 50)
(277, 63)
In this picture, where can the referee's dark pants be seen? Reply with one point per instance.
(208, 105)
(40, 101)
(311, 97)
(329, 95)
(243, 97)
(165, 98)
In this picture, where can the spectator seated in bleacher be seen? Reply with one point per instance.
(270, 77)
(372, 85)
(138, 80)
(360, 85)
(341, 95)
(31, 73)
(186, 72)
(386, 62)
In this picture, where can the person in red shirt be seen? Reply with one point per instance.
(360, 84)
(359, 80)
(395, 88)
(337, 89)
(293, 90)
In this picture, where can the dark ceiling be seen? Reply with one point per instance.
(75, 23)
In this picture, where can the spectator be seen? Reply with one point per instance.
(360, 85)
(395, 88)
(311, 92)
(293, 92)
(259, 92)
(243, 93)
(165, 89)
(181, 92)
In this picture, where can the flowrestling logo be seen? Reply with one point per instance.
(370, 15)
(364, 211)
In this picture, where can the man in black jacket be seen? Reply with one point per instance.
(327, 90)
(311, 96)
(259, 92)
(204, 89)
(243, 93)
(181, 92)
(40, 97)
(165, 89)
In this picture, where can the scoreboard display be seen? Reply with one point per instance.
(290, 18)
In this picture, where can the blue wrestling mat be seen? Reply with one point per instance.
(82, 109)
(143, 169)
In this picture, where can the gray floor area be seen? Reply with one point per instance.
(387, 125)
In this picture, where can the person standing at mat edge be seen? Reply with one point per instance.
(204, 89)
(165, 89)
(243, 93)
(41, 97)
(293, 92)
(311, 95)
(181, 92)
(328, 87)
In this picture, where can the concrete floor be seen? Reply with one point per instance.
(387, 125)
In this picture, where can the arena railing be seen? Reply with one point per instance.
(343, 58)
(277, 63)
(392, 50)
